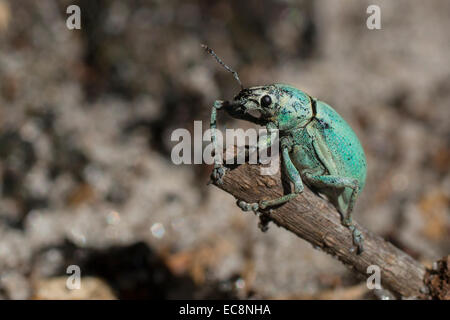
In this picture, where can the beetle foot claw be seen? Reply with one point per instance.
(218, 173)
(245, 206)
(358, 239)
(218, 104)
(255, 207)
(348, 223)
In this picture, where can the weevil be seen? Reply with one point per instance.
(317, 145)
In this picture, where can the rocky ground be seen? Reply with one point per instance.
(85, 121)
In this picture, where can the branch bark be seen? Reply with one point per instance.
(315, 220)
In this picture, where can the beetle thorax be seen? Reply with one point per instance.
(292, 114)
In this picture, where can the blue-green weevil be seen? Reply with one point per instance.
(317, 145)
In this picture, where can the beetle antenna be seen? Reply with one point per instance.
(211, 52)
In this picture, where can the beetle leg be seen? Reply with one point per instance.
(293, 175)
(333, 181)
(342, 182)
(219, 170)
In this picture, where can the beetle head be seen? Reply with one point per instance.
(283, 105)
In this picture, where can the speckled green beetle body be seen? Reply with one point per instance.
(318, 147)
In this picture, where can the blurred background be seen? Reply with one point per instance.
(86, 116)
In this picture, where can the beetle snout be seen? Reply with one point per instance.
(246, 110)
(247, 106)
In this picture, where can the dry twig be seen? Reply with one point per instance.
(315, 220)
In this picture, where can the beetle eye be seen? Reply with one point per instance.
(266, 101)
